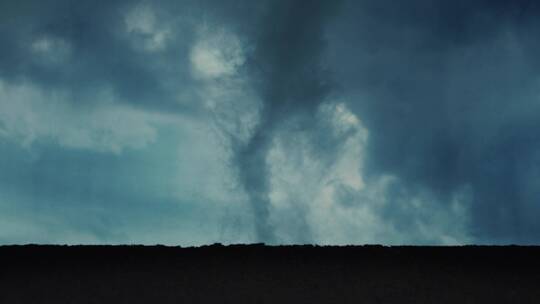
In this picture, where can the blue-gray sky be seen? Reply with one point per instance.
(329, 122)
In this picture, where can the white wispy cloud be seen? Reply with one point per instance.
(216, 53)
(149, 32)
(29, 113)
(339, 206)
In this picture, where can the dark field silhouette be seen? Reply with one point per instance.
(263, 274)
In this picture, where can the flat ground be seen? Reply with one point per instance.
(262, 274)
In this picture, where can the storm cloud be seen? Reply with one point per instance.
(329, 122)
(449, 94)
(287, 72)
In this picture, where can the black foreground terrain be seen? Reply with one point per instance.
(262, 274)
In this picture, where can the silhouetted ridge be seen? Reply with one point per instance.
(269, 274)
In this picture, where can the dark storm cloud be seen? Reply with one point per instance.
(63, 52)
(449, 93)
(93, 50)
(288, 77)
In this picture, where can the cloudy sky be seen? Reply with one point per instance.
(188, 122)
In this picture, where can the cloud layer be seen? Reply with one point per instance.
(330, 122)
